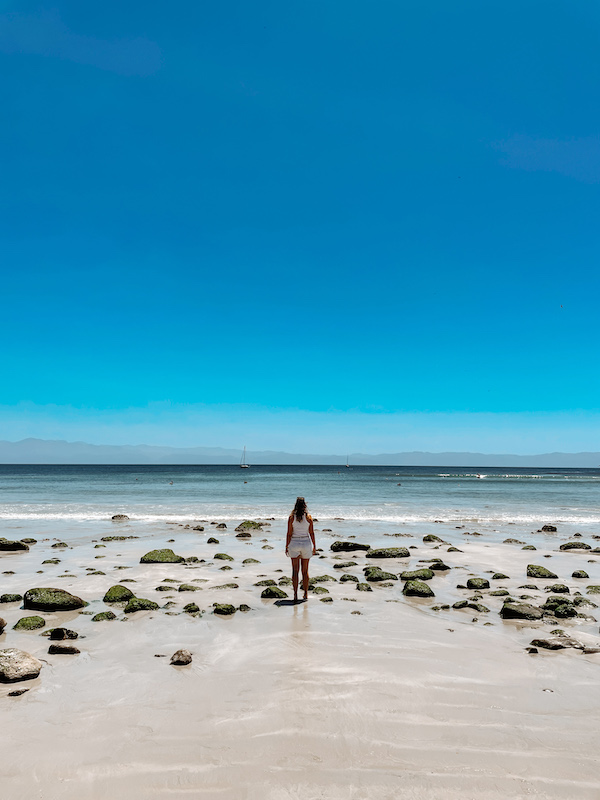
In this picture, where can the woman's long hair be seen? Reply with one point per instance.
(299, 509)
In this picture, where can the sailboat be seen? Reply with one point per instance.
(243, 464)
(347, 462)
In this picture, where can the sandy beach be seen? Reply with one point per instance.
(370, 694)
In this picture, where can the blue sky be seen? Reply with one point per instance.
(370, 226)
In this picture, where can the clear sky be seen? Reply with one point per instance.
(366, 226)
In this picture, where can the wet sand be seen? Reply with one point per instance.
(298, 701)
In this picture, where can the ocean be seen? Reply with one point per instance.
(383, 495)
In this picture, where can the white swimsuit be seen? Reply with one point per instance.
(300, 543)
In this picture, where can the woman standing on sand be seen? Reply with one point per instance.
(300, 544)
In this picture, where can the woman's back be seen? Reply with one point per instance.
(300, 527)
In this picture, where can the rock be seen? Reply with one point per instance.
(117, 538)
(345, 564)
(118, 594)
(8, 545)
(439, 566)
(28, 540)
(375, 574)
(120, 518)
(189, 587)
(478, 607)
(29, 624)
(224, 609)
(347, 577)
(285, 581)
(549, 528)
(593, 589)
(198, 528)
(330, 578)
(164, 556)
(266, 547)
(2, 625)
(500, 576)
(63, 649)
(512, 541)
(460, 604)
(529, 586)
(140, 604)
(222, 557)
(478, 583)
(534, 571)
(212, 540)
(249, 525)
(273, 592)
(431, 537)
(316, 589)
(520, 611)
(561, 607)
(250, 561)
(417, 575)
(575, 546)
(243, 535)
(579, 573)
(15, 598)
(104, 616)
(500, 593)
(191, 608)
(221, 526)
(363, 587)
(266, 582)
(47, 599)
(338, 547)
(558, 588)
(389, 552)
(51, 561)
(244, 608)
(453, 550)
(17, 665)
(326, 599)
(164, 588)
(529, 547)
(181, 658)
(417, 589)
(227, 586)
(59, 545)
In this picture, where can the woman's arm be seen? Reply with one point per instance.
(311, 532)
(289, 533)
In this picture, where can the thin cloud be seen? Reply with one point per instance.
(576, 158)
(45, 34)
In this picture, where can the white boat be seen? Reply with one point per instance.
(243, 464)
(347, 462)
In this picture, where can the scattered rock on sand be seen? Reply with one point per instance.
(266, 582)
(221, 526)
(120, 518)
(593, 589)
(164, 556)
(363, 587)
(558, 588)
(389, 552)
(417, 589)
(2, 624)
(15, 598)
(140, 604)
(58, 634)
(478, 583)
(250, 561)
(431, 538)
(345, 564)
(575, 546)
(117, 538)
(181, 658)
(579, 573)
(7, 544)
(104, 616)
(549, 528)
(535, 571)
(559, 642)
(439, 566)
(273, 592)
(48, 599)
(224, 609)
(342, 547)
(17, 665)
(189, 587)
(29, 624)
(249, 525)
(500, 576)
(348, 577)
(64, 649)
(425, 574)
(375, 574)
(212, 540)
(512, 610)
(191, 608)
(223, 557)
(118, 594)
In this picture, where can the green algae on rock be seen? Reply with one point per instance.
(376, 574)
(478, 583)
(223, 557)
(29, 624)
(575, 546)
(342, 547)
(189, 587)
(10, 598)
(363, 587)
(500, 576)
(431, 538)
(348, 577)
(212, 540)
(316, 589)
(579, 573)
(417, 589)
(266, 582)
(224, 609)
(389, 552)
(249, 525)
(104, 616)
(424, 574)
(250, 561)
(164, 556)
(191, 608)
(513, 610)
(118, 594)
(535, 571)
(10, 545)
(273, 592)
(48, 599)
(140, 604)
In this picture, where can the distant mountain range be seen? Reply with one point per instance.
(44, 451)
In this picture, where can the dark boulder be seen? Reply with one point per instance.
(478, 583)
(13, 598)
(417, 575)
(140, 604)
(48, 599)
(535, 571)
(273, 592)
(104, 616)
(338, 547)
(8, 545)
(579, 573)
(63, 649)
(520, 611)
(575, 546)
(375, 574)
(164, 556)
(118, 594)
(389, 552)
(224, 609)
(417, 589)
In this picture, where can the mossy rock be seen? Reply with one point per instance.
(48, 599)
(249, 525)
(535, 571)
(266, 582)
(512, 610)
(285, 581)
(363, 587)
(452, 550)
(189, 587)
(500, 593)
(29, 540)
(580, 600)
(117, 538)
(348, 577)
(500, 576)
(439, 566)
(104, 616)
(60, 545)
(479, 607)
(343, 547)
(51, 561)
(226, 586)
(579, 573)
(323, 579)
(164, 556)
(163, 588)
(316, 589)
(431, 538)
(11, 598)
(9, 545)
(29, 624)
(376, 574)
(460, 604)
(593, 589)
(118, 594)
(225, 609)
(191, 608)
(478, 583)
(558, 588)
(140, 604)
(266, 547)
(345, 564)
(575, 546)
(212, 540)
(244, 608)
(273, 593)
(250, 561)
(417, 589)
(389, 552)
(529, 547)
(223, 557)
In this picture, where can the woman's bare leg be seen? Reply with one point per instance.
(305, 576)
(295, 568)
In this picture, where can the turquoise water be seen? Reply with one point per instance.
(487, 496)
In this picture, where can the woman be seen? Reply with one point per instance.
(300, 544)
